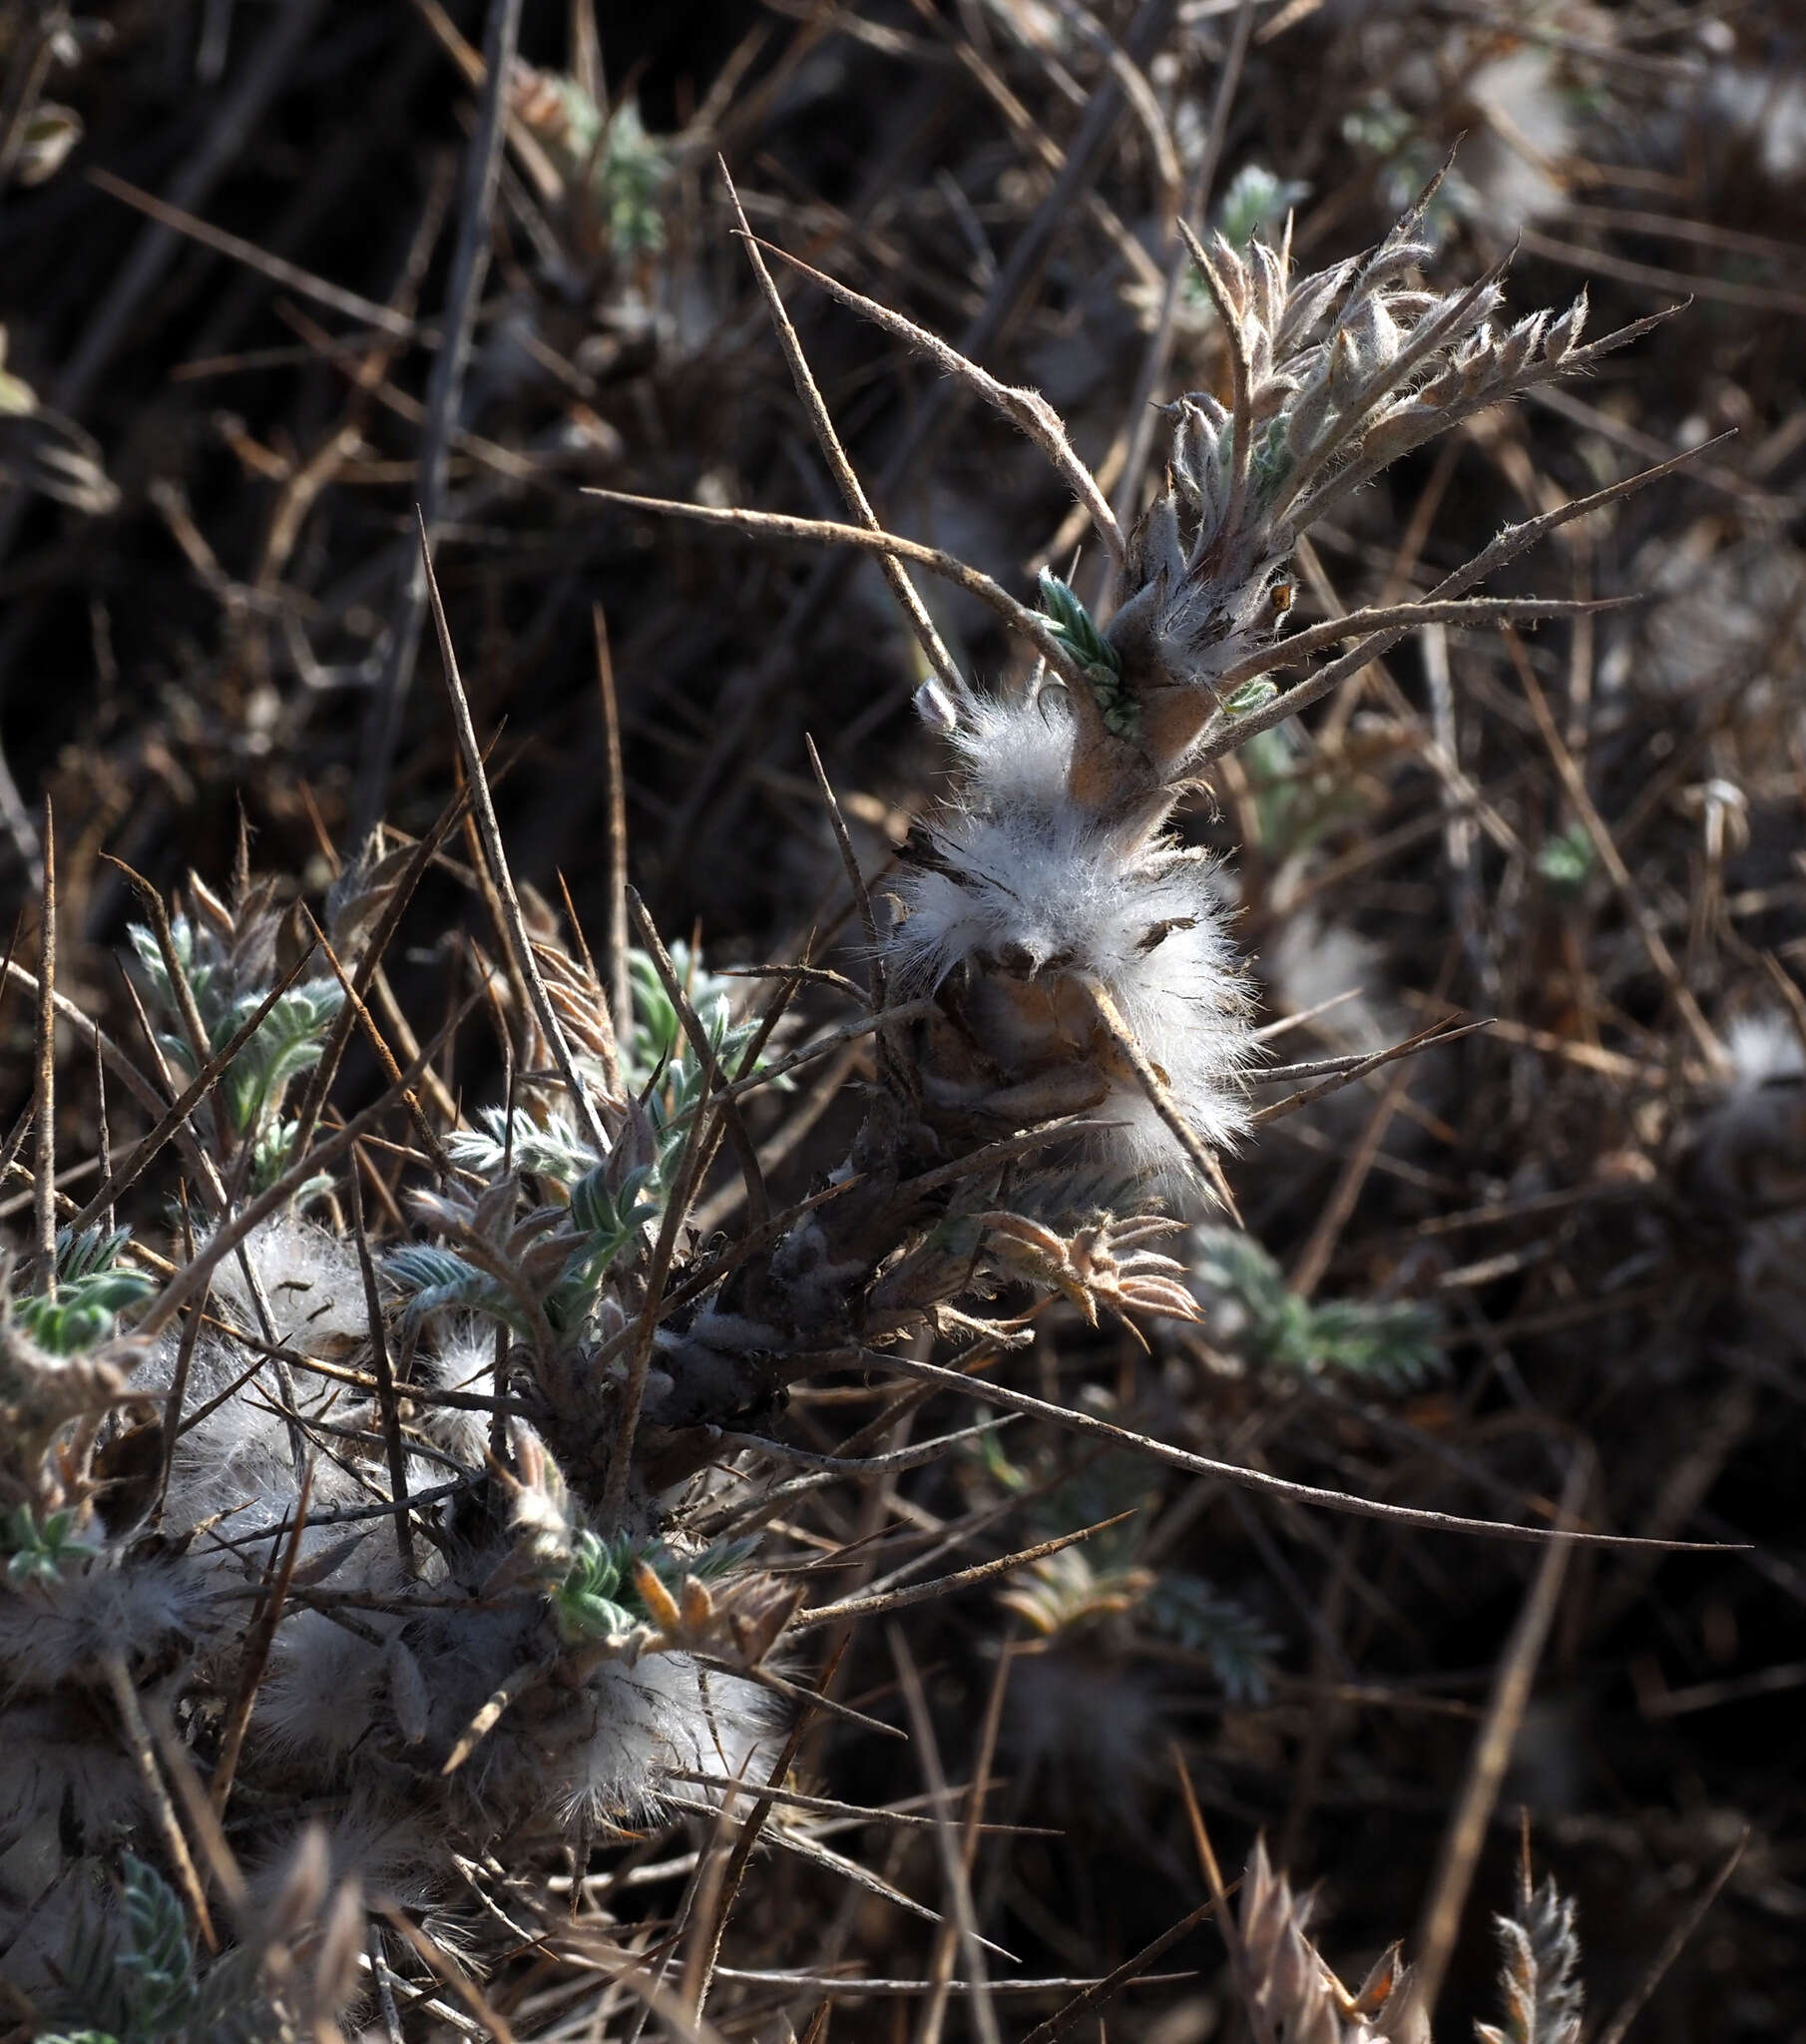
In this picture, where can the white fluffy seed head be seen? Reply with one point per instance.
(1033, 897)
(662, 1713)
(312, 1279)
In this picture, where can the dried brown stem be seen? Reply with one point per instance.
(1491, 1751)
(44, 1093)
(496, 858)
(857, 502)
(1024, 409)
(987, 1394)
(619, 989)
(778, 525)
(385, 1377)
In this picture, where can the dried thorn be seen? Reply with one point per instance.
(320, 1080)
(619, 986)
(987, 1394)
(1349, 1070)
(946, 1586)
(857, 502)
(256, 1650)
(497, 859)
(138, 1739)
(1513, 540)
(776, 525)
(385, 1378)
(1028, 411)
(519, 1681)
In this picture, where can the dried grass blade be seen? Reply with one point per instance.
(256, 1656)
(953, 1868)
(1358, 1068)
(138, 1737)
(1160, 1095)
(385, 1377)
(1028, 411)
(1492, 1751)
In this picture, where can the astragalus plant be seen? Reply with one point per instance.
(397, 1517)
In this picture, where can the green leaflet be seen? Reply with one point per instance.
(37, 1553)
(1077, 632)
(1391, 1342)
(289, 1040)
(597, 1597)
(92, 1289)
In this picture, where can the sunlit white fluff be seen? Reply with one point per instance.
(662, 1713)
(1764, 1050)
(312, 1279)
(1035, 896)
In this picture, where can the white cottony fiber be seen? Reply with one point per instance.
(312, 1279)
(1021, 884)
(664, 1712)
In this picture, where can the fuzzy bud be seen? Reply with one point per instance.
(1304, 420)
(936, 707)
(1269, 288)
(1565, 333)
(1374, 333)
(1347, 371)
(1520, 344)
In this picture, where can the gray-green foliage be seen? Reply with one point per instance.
(659, 1038)
(657, 1061)
(597, 1225)
(92, 1288)
(612, 1205)
(1390, 1342)
(599, 1599)
(1256, 202)
(1296, 797)
(1540, 1955)
(1180, 1607)
(550, 1148)
(631, 176)
(1252, 695)
(38, 1552)
(287, 1042)
(555, 1263)
(625, 169)
(436, 1280)
(1404, 158)
(1198, 1617)
(1075, 629)
(1566, 861)
(595, 1599)
(133, 1976)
